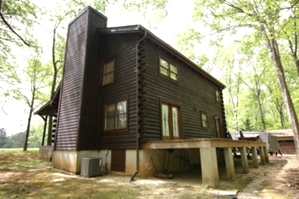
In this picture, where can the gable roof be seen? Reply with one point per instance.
(161, 43)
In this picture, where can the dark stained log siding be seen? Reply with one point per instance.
(69, 109)
(76, 119)
(192, 92)
(88, 132)
(122, 48)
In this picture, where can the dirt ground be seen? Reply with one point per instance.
(22, 175)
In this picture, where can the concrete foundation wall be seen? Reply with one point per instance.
(71, 160)
(45, 153)
(65, 160)
(173, 161)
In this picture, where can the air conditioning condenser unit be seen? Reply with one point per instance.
(90, 167)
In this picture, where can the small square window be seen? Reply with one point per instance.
(168, 69)
(108, 74)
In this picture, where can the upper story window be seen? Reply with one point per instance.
(204, 120)
(108, 74)
(116, 115)
(217, 95)
(168, 69)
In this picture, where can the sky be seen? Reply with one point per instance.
(14, 114)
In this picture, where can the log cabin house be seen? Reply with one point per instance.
(131, 99)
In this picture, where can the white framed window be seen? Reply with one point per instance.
(170, 121)
(108, 73)
(116, 115)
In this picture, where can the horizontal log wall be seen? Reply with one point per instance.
(192, 92)
(88, 131)
(71, 92)
(122, 48)
(77, 115)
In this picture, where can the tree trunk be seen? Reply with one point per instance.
(29, 120)
(275, 56)
(27, 130)
(297, 64)
(54, 62)
(261, 111)
(236, 120)
(279, 107)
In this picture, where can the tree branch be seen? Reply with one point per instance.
(287, 8)
(235, 27)
(240, 10)
(7, 24)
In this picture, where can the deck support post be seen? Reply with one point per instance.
(229, 163)
(244, 159)
(209, 167)
(262, 155)
(254, 157)
(266, 155)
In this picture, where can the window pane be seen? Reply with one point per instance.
(110, 115)
(121, 121)
(110, 123)
(175, 122)
(204, 119)
(108, 78)
(217, 124)
(165, 124)
(173, 69)
(109, 67)
(163, 71)
(121, 107)
(108, 72)
(110, 110)
(164, 63)
(173, 76)
(121, 112)
(217, 96)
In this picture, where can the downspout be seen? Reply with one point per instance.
(137, 108)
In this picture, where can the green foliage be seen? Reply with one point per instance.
(3, 137)
(157, 10)
(15, 141)
(17, 19)
(29, 87)
(247, 126)
(249, 25)
(36, 134)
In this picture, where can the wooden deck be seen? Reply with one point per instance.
(208, 157)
